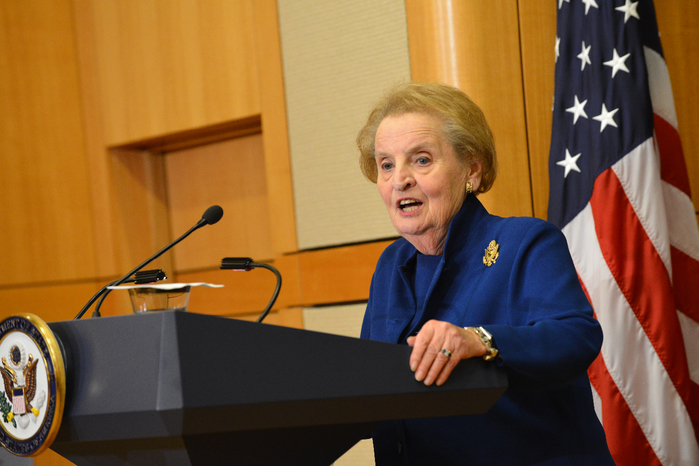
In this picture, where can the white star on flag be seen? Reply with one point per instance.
(560, 3)
(629, 10)
(588, 4)
(558, 48)
(606, 117)
(584, 56)
(570, 163)
(617, 63)
(578, 109)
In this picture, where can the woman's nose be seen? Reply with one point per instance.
(403, 178)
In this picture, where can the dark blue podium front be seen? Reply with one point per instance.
(188, 389)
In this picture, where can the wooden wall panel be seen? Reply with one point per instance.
(325, 276)
(148, 69)
(474, 46)
(245, 292)
(168, 65)
(51, 458)
(538, 37)
(231, 174)
(51, 302)
(275, 134)
(44, 214)
(680, 36)
(139, 206)
(338, 275)
(98, 161)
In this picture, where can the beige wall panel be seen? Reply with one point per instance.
(474, 45)
(44, 214)
(679, 34)
(169, 65)
(338, 58)
(345, 320)
(538, 33)
(231, 174)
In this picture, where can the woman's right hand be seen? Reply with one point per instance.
(428, 360)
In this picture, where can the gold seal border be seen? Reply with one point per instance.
(59, 375)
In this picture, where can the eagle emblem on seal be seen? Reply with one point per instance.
(19, 377)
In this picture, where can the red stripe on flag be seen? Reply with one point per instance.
(685, 271)
(625, 438)
(642, 278)
(672, 167)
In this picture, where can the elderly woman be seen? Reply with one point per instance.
(462, 283)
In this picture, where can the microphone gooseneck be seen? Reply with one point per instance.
(246, 264)
(212, 215)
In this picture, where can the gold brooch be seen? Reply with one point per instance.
(491, 254)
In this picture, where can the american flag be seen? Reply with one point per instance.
(619, 190)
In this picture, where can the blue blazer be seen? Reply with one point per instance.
(532, 303)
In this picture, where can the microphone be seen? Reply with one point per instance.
(212, 215)
(246, 264)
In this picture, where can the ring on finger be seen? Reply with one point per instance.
(446, 352)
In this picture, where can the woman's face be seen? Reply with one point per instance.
(420, 178)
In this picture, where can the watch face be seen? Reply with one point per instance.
(486, 334)
(33, 391)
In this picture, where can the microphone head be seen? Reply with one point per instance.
(213, 214)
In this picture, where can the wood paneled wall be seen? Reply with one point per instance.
(90, 89)
(448, 43)
(679, 35)
(46, 234)
(168, 66)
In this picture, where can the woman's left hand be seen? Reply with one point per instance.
(429, 361)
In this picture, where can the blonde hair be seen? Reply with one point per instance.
(463, 125)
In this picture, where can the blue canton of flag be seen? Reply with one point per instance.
(602, 108)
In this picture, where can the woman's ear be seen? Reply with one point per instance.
(474, 174)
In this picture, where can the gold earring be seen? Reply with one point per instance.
(469, 187)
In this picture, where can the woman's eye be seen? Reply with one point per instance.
(386, 166)
(423, 161)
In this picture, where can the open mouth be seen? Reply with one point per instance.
(409, 205)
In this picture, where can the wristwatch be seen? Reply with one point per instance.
(490, 350)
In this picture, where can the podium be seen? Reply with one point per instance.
(178, 388)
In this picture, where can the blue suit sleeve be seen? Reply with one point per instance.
(551, 337)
